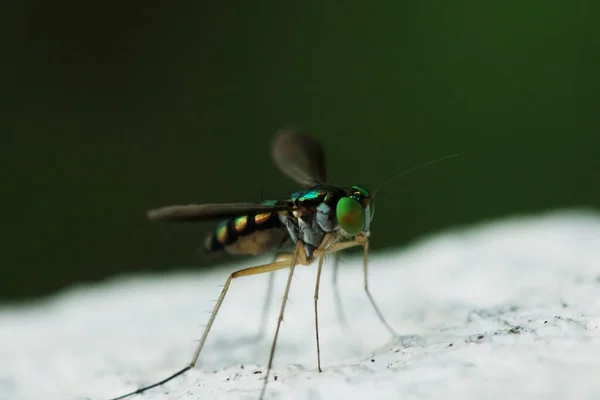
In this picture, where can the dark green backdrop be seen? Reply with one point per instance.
(113, 107)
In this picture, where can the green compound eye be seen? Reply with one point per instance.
(350, 215)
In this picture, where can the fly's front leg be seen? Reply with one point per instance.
(360, 240)
(365, 243)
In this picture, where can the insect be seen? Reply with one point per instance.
(320, 219)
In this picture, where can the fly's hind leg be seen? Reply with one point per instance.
(260, 269)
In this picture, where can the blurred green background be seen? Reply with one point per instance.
(111, 108)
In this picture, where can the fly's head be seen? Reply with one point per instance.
(354, 212)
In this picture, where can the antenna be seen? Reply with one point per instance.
(411, 169)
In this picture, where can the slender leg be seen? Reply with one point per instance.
(341, 315)
(292, 266)
(317, 313)
(360, 241)
(260, 269)
(329, 245)
(365, 267)
(265, 311)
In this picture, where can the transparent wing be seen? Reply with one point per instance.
(203, 212)
(299, 156)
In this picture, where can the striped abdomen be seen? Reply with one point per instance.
(254, 233)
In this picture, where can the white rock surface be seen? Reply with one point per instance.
(508, 310)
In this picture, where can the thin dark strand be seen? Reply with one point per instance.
(143, 389)
(411, 169)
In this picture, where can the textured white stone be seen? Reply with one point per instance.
(507, 310)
